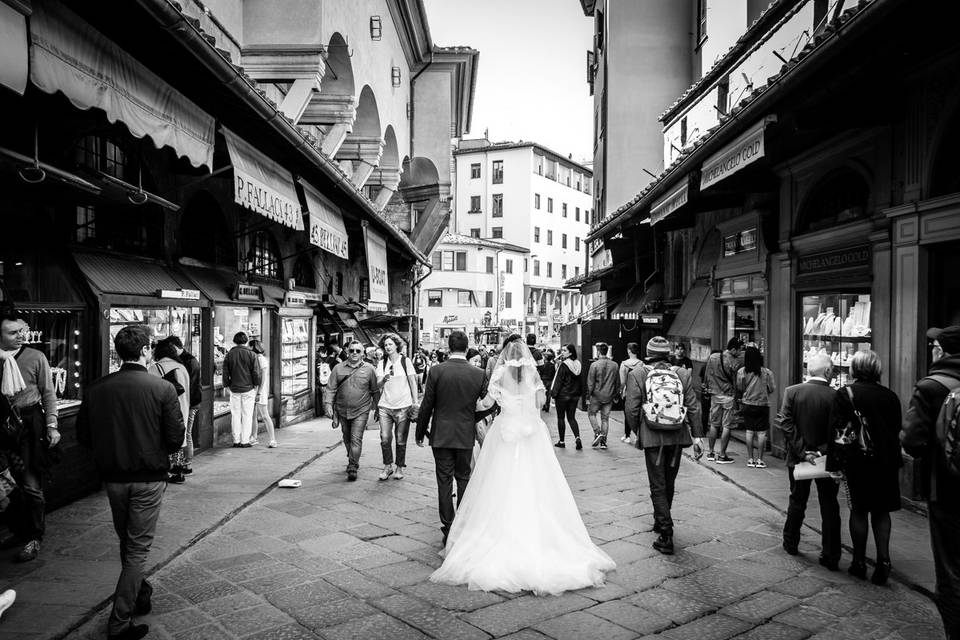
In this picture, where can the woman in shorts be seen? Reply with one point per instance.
(755, 387)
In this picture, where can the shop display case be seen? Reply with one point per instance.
(294, 356)
(744, 319)
(56, 332)
(836, 325)
(227, 321)
(183, 322)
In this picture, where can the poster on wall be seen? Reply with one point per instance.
(376, 248)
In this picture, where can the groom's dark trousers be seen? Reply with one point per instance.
(451, 463)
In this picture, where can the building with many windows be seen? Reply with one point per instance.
(528, 196)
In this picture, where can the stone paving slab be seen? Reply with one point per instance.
(363, 573)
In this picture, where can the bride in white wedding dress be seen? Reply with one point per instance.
(518, 527)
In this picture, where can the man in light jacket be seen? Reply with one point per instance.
(603, 387)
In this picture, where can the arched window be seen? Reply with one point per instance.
(303, 273)
(264, 257)
(840, 198)
(204, 234)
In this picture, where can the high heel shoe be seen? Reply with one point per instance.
(881, 572)
(858, 569)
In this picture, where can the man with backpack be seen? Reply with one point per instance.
(665, 411)
(931, 432)
(720, 379)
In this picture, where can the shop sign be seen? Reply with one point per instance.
(740, 242)
(531, 319)
(179, 294)
(651, 319)
(294, 300)
(827, 261)
(326, 224)
(449, 319)
(377, 266)
(558, 317)
(261, 185)
(248, 292)
(670, 202)
(745, 150)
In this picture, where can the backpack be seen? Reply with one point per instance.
(323, 372)
(948, 426)
(664, 409)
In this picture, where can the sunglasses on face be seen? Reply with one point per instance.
(354, 350)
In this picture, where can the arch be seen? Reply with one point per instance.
(338, 77)
(204, 233)
(945, 161)
(419, 172)
(840, 196)
(368, 115)
(391, 152)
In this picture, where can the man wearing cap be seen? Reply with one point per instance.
(919, 438)
(661, 449)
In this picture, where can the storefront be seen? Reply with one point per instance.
(297, 357)
(741, 283)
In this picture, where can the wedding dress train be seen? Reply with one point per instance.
(518, 527)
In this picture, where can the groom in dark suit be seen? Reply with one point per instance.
(447, 417)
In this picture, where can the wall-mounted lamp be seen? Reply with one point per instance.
(395, 76)
(376, 28)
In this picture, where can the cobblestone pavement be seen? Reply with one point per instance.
(339, 560)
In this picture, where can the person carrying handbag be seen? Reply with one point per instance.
(397, 407)
(866, 420)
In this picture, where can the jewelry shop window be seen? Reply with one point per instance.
(58, 334)
(227, 321)
(836, 325)
(183, 322)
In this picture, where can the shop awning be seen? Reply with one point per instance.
(672, 201)
(68, 55)
(637, 300)
(261, 185)
(695, 318)
(227, 287)
(326, 224)
(13, 48)
(116, 275)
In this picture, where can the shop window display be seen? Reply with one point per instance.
(183, 322)
(836, 325)
(295, 356)
(743, 319)
(227, 321)
(57, 333)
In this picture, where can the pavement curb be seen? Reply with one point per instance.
(901, 578)
(272, 486)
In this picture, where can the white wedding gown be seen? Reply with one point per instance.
(518, 527)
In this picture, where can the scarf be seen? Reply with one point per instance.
(11, 381)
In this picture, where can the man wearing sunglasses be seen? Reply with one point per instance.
(348, 399)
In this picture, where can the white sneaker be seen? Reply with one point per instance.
(273, 444)
(398, 474)
(625, 439)
(7, 598)
(387, 472)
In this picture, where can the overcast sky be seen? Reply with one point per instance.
(532, 77)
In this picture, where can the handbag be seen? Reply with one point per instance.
(11, 424)
(850, 437)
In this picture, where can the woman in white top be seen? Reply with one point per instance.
(398, 392)
(261, 410)
(166, 366)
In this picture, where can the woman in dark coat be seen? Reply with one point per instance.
(566, 391)
(872, 475)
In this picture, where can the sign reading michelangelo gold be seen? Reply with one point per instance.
(745, 150)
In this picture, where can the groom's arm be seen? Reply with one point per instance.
(426, 408)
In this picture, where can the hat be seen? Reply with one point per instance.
(658, 346)
(948, 337)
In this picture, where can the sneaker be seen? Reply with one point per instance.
(387, 472)
(664, 544)
(186, 470)
(625, 439)
(29, 552)
(760, 464)
(176, 478)
(237, 445)
(273, 444)
(7, 598)
(711, 457)
(751, 463)
(246, 445)
(596, 441)
(352, 475)
(579, 444)
(561, 445)
(603, 443)
(398, 474)
(724, 459)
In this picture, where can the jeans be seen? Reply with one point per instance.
(135, 507)
(451, 463)
(662, 464)
(241, 415)
(603, 408)
(567, 409)
(28, 519)
(191, 420)
(353, 429)
(945, 542)
(827, 489)
(391, 419)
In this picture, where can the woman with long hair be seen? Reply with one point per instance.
(260, 409)
(566, 391)
(398, 393)
(755, 386)
(167, 366)
(872, 469)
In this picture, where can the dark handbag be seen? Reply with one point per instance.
(11, 423)
(171, 377)
(850, 439)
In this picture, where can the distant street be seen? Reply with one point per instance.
(350, 560)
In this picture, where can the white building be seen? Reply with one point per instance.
(476, 286)
(528, 196)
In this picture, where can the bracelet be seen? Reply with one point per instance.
(53, 428)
